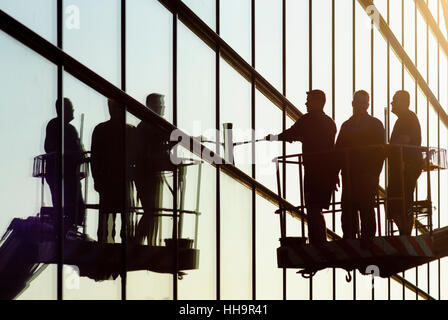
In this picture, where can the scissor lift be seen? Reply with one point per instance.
(389, 252)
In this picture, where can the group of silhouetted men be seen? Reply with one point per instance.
(359, 154)
(121, 155)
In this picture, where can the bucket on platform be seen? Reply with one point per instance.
(182, 243)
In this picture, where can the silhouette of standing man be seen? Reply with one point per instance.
(406, 131)
(361, 167)
(316, 131)
(73, 156)
(152, 157)
(111, 172)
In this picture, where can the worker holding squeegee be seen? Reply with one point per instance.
(316, 131)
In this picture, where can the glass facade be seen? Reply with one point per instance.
(249, 63)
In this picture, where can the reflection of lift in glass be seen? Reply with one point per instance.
(30, 244)
(390, 253)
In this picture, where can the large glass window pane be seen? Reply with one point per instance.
(236, 240)
(236, 26)
(409, 28)
(268, 40)
(421, 45)
(149, 41)
(395, 22)
(443, 99)
(40, 16)
(269, 280)
(363, 54)
(322, 49)
(200, 195)
(205, 9)
(97, 42)
(433, 62)
(196, 86)
(268, 119)
(28, 98)
(235, 99)
(297, 51)
(344, 61)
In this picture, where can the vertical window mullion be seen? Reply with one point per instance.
(124, 204)
(284, 121)
(218, 168)
(175, 174)
(310, 9)
(353, 90)
(253, 155)
(60, 208)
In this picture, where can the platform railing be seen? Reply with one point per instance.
(40, 171)
(432, 159)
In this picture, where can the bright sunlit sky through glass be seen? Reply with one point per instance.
(29, 90)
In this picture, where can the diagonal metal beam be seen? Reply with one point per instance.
(41, 46)
(46, 49)
(445, 12)
(214, 41)
(203, 31)
(388, 35)
(432, 23)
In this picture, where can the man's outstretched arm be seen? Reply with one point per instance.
(292, 134)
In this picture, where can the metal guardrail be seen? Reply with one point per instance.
(434, 159)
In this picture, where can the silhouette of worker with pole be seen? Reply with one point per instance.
(73, 157)
(404, 166)
(360, 150)
(317, 132)
(111, 162)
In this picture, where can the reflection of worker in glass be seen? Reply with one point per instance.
(316, 131)
(361, 167)
(110, 170)
(73, 157)
(152, 157)
(406, 131)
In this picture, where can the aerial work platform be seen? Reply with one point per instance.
(390, 255)
(31, 244)
(384, 255)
